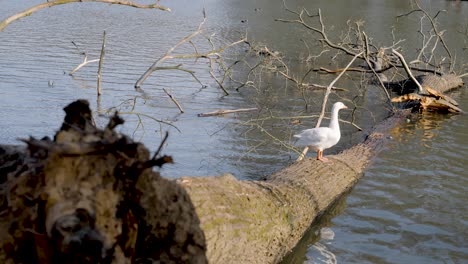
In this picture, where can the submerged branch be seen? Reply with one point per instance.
(101, 60)
(174, 100)
(223, 112)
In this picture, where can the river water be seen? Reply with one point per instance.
(410, 206)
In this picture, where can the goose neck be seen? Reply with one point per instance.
(334, 124)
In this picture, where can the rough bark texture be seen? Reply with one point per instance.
(260, 221)
(90, 196)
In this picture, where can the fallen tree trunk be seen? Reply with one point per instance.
(90, 196)
(260, 221)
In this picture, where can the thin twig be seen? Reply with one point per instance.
(436, 31)
(327, 93)
(85, 60)
(84, 63)
(187, 39)
(320, 30)
(150, 117)
(161, 145)
(174, 100)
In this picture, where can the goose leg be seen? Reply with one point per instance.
(321, 157)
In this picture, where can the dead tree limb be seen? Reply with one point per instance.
(223, 112)
(38, 7)
(101, 60)
(174, 101)
(214, 52)
(85, 60)
(436, 31)
(408, 71)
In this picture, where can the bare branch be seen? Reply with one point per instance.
(327, 93)
(408, 71)
(174, 100)
(320, 30)
(84, 63)
(223, 112)
(85, 60)
(101, 60)
(437, 33)
(38, 7)
(187, 39)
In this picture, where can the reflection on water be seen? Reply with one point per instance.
(410, 206)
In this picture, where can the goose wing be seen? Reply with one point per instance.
(314, 137)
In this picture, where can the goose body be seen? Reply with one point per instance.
(322, 138)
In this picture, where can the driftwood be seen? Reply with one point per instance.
(90, 196)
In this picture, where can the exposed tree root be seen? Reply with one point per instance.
(90, 196)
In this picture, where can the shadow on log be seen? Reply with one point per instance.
(90, 196)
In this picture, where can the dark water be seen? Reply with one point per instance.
(410, 206)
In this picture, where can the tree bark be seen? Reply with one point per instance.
(260, 221)
(89, 196)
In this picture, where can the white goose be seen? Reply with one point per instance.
(322, 138)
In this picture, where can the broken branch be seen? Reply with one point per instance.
(408, 71)
(101, 59)
(174, 100)
(223, 112)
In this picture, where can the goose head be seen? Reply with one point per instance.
(338, 106)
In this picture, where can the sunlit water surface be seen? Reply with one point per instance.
(410, 206)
